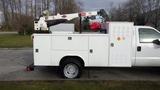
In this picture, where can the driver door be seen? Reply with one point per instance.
(148, 53)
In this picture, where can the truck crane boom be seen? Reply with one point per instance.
(45, 21)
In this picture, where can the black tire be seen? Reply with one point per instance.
(75, 64)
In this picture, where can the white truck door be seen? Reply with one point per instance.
(120, 44)
(42, 50)
(148, 53)
(98, 53)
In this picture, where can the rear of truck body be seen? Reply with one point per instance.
(113, 49)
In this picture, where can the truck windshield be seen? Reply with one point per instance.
(147, 35)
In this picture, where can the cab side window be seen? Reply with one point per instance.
(147, 35)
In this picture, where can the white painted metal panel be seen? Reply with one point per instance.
(149, 55)
(57, 55)
(120, 44)
(62, 28)
(70, 43)
(99, 54)
(42, 43)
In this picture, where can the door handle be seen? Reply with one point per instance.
(112, 44)
(139, 48)
(37, 50)
(91, 50)
(69, 38)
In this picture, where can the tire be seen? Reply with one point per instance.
(71, 68)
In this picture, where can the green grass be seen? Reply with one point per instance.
(15, 41)
(80, 85)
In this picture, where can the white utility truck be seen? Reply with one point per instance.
(117, 44)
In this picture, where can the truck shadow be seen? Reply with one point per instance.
(136, 73)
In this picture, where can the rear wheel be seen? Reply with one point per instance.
(71, 69)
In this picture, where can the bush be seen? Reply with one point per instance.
(21, 23)
(26, 27)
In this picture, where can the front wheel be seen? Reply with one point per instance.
(71, 70)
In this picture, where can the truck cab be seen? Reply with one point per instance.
(147, 46)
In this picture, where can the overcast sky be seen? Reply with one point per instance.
(91, 5)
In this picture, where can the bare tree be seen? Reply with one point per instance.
(66, 6)
(139, 11)
(19, 14)
(4, 8)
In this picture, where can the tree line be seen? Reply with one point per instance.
(20, 14)
(142, 12)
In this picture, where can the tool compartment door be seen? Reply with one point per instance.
(98, 50)
(42, 50)
(120, 44)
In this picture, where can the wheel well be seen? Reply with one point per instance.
(75, 57)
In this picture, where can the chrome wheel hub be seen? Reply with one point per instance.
(71, 71)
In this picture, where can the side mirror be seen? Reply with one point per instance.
(157, 42)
